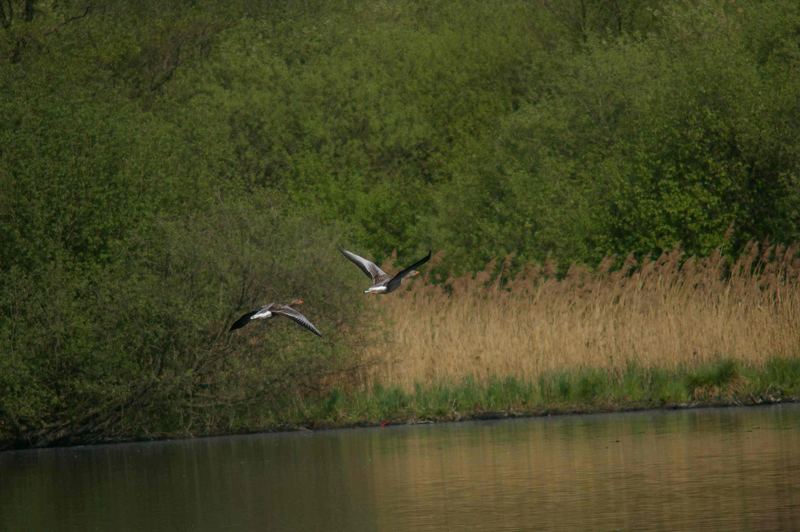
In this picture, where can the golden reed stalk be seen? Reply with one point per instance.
(661, 313)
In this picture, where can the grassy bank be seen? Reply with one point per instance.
(721, 382)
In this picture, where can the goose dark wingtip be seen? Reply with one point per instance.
(242, 321)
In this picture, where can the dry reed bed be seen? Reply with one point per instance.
(663, 313)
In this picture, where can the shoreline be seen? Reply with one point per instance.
(501, 415)
(720, 383)
(497, 415)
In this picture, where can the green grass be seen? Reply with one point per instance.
(721, 382)
(584, 390)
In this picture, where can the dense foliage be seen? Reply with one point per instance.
(165, 165)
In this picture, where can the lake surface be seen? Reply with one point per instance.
(724, 469)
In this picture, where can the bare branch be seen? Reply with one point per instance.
(69, 20)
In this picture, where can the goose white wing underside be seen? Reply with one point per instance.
(298, 318)
(368, 267)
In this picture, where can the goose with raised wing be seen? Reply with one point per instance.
(382, 282)
(275, 309)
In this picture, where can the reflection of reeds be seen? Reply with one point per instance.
(591, 473)
(658, 313)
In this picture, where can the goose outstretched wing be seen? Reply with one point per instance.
(297, 317)
(244, 320)
(368, 267)
(399, 276)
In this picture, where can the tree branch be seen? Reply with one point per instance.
(69, 20)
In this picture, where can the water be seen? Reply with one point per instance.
(722, 469)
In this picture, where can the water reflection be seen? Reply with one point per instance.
(717, 468)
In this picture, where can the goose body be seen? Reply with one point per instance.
(274, 309)
(382, 282)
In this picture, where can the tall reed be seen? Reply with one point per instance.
(665, 313)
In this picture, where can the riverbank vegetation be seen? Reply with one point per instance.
(670, 332)
(723, 382)
(166, 166)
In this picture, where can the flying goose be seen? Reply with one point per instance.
(275, 309)
(382, 282)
